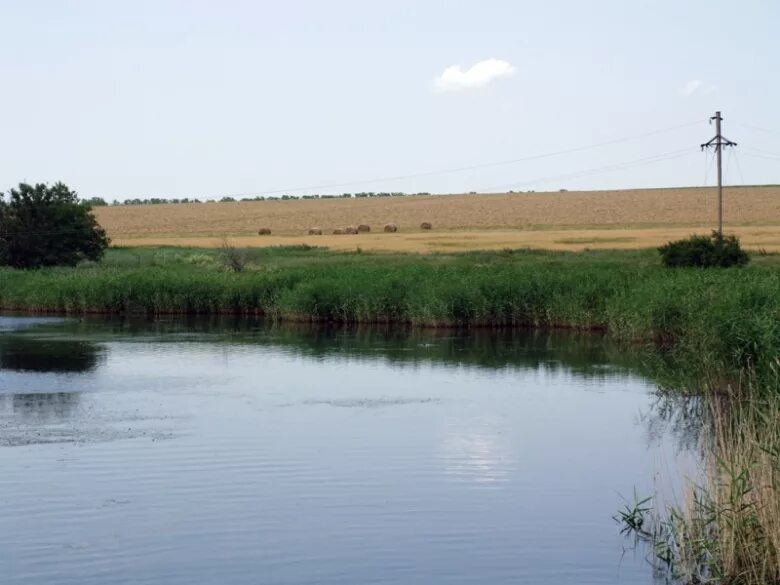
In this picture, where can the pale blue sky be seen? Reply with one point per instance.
(188, 98)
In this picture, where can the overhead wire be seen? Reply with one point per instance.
(709, 159)
(596, 170)
(762, 156)
(762, 151)
(739, 169)
(757, 128)
(342, 184)
(581, 173)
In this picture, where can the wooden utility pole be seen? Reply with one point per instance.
(719, 142)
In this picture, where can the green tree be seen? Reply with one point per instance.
(44, 225)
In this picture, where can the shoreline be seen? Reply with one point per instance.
(722, 319)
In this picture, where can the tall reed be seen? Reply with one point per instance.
(727, 530)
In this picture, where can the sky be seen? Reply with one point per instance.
(204, 99)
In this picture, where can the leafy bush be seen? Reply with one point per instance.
(48, 226)
(704, 251)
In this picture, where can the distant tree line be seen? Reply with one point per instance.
(100, 202)
(150, 201)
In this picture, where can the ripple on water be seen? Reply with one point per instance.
(371, 402)
(374, 471)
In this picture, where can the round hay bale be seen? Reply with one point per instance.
(338, 232)
(364, 228)
(350, 229)
(426, 225)
(315, 231)
(264, 231)
(391, 228)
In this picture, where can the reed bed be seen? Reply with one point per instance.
(728, 319)
(727, 530)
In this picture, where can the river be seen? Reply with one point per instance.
(234, 452)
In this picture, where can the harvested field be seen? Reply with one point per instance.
(572, 220)
(767, 238)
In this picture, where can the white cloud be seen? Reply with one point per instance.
(455, 78)
(691, 87)
(697, 86)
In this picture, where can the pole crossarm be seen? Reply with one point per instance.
(723, 142)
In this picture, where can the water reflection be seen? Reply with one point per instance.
(684, 417)
(582, 354)
(43, 406)
(316, 454)
(21, 353)
(479, 454)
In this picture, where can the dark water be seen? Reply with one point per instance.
(227, 452)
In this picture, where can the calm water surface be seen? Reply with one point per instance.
(227, 452)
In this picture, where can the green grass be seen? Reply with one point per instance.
(729, 318)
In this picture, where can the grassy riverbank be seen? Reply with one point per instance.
(728, 318)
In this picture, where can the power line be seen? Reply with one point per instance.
(743, 188)
(597, 170)
(762, 151)
(708, 164)
(739, 167)
(749, 127)
(463, 168)
(727, 166)
(584, 172)
(764, 157)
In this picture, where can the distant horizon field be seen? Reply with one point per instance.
(572, 220)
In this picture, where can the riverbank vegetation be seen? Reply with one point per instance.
(727, 317)
(726, 528)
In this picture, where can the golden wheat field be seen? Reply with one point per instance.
(566, 221)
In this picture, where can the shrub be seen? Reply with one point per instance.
(716, 250)
(48, 226)
(231, 258)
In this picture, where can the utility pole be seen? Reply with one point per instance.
(719, 142)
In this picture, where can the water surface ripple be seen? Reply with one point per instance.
(181, 453)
